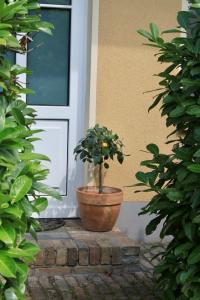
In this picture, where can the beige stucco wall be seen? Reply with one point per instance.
(125, 69)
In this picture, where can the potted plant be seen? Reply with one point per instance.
(99, 205)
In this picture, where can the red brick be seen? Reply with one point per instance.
(94, 253)
(83, 253)
(72, 252)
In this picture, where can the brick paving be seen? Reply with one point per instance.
(122, 285)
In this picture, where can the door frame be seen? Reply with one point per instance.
(83, 75)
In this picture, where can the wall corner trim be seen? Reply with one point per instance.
(94, 62)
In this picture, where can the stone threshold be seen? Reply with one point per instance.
(72, 249)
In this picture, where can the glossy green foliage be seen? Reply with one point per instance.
(21, 170)
(100, 145)
(175, 177)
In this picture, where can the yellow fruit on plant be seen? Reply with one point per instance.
(104, 145)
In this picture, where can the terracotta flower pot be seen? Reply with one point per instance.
(99, 212)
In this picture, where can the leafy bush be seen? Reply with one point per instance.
(175, 178)
(100, 145)
(21, 171)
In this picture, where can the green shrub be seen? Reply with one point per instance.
(21, 171)
(175, 177)
(99, 145)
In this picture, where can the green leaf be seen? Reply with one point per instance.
(145, 34)
(177, 112)
(196, 220)
(18, 116)
(22, 268)
(195, 199)
(197, 153)
(25, 252)
(154, 31)
(20, 187)
(157, 100)
(195, 71)
(10, 294)
(45, 189)
(40, 203)
(141, 177)
(153, 148)
(183, 19)
(194, 256)
(181, 174)
(185, 275)
(2, 42)
(193, 110)
(189, 230)
(33, 156)
(27, 91)
(190, 82)
(7, 233)
(14, 210)
(174, 195)
(7, 266)
(30, 249)
(195, 168)
(175, 30)
(195, 5)
(182, 248)
(11, 133)
(45, 27)
(2, 84)
(151, 227)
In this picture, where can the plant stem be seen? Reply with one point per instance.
(100, 179)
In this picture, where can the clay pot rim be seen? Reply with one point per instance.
(94, 189)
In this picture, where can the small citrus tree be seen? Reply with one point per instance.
(21, 171)
(175, 177)
(99, 145)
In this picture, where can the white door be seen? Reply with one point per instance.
(59, 70)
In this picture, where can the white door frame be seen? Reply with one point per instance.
(77, 112)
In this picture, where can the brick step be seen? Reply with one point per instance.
(71, 249)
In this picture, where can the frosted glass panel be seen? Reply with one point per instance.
(49, 61)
